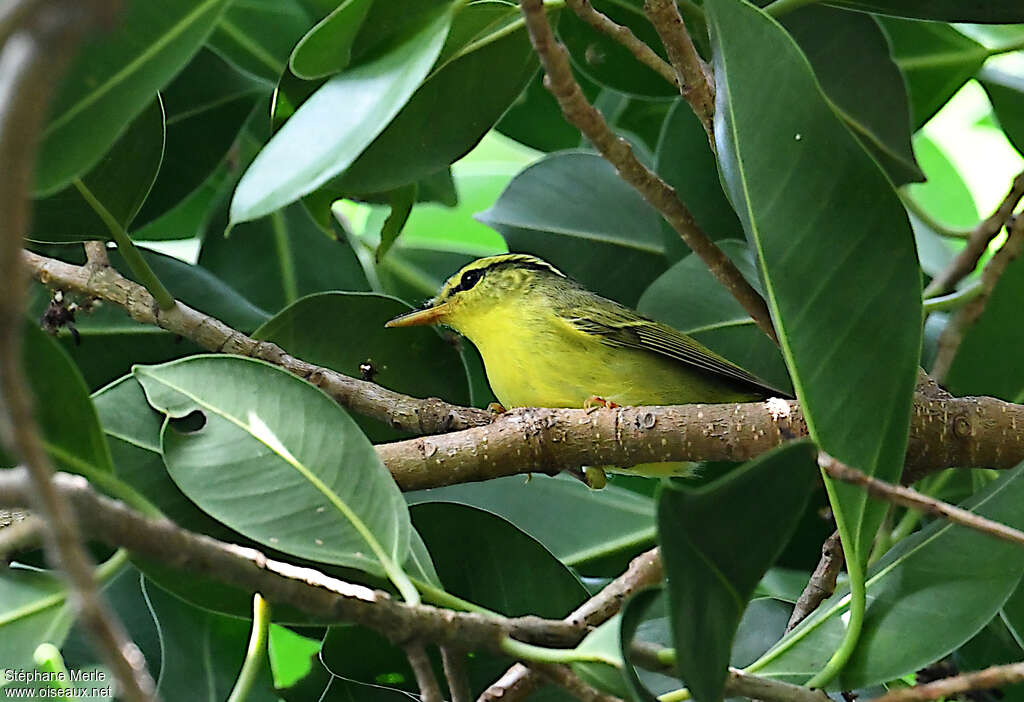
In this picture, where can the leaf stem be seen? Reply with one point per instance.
(915, 208)
(132, 256)
(437, 596)
(540, 654)
(954, 299)
(1007, 48)
(858, 592)
(680, 695)
(255, 653)
(781, 7)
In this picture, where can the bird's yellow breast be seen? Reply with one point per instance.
(535, 358)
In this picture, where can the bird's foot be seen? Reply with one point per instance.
(594, 402)
(496, 408)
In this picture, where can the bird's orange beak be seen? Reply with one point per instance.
(431, 315)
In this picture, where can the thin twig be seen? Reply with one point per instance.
(428, 416)
(822, 582)
(624, 35)
(430, 690)
(952, 687)
(978, 241)
(454, 661)
(908, 497)
(953, 335)
(694, 81)
(563, 676)
(644, 571)
(617, 151)
(31, 62)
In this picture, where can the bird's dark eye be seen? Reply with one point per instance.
(470, 278)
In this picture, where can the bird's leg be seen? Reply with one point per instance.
(496, 408)
(594, 402)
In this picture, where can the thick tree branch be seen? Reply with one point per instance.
(953, 335)
(695, 84)
(617, 151)
(944, 432)
(908, 497)
(953, 687)
(401, 411)
(40, 38)
(624, 35)
(977, 242)
(644, 571)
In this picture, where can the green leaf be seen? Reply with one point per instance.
(872, 99)
(323, 686)
(605, 643)
(33, 610)
(121, 180)
(189, 217)
(754, 511)
(415, 274)
(337, 123)
(936, 61)
(612, 524)
(977, 369)
(605, 61)
(188, 633)
(991, 11)
(256, 36)
(816, 243)
(631, 619)
(498, 62)
(363, 657)
(945, 196)
(536, 120)
(293, 470)
(70, 427)
(684, 159)
(327, 47)
(401, 201)
(570, 200)
(416, 361)
(959, 576)
(278, 259)
(1006, 93)
(113, 78)
(206, 107)
(688, 297)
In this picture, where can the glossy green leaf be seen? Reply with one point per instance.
(850, 56)
(278, 259)
(327, 47)
(684, 159)
(994, 11)
(571, 200)
(121, 180)
(256, 36)
(189, 218)
(605, 61)
(978, 368)
(929, 571)
(33, 609)
(633, 612)
(816, 243)
(933, 249)
(688, 297)
(415, 361)
(536, 120)
(754, 510)
(945, 196)
(414, 274)
(113, 78)
(323, 686)
(206, 107)
(187, 632)
(337, 123)
(71, 430)
(364, 657)
(1006, 93)
(936, 61)
(290, 468)
(401, 201)
(612, 524)
(497, 61)
(603, 643)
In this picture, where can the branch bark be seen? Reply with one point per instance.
(40, 38)
(953, 335)
(822, 582)
(952, 687)
(617, 151)
(624, 35)
(430, 690)
(644, 571)
(695, 83)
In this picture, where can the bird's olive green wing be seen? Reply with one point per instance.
(620, 326)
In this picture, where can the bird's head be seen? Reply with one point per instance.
(479, 287)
